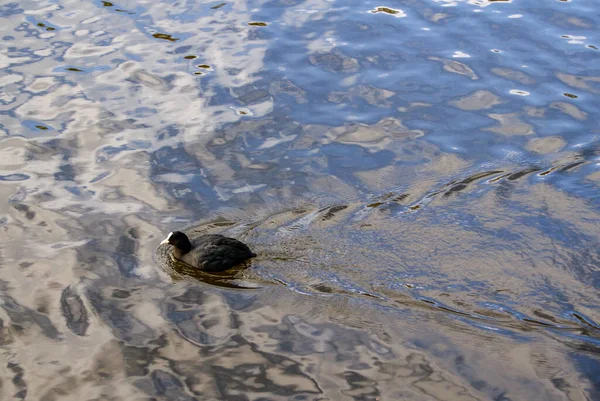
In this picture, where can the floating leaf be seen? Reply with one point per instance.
(165, 37)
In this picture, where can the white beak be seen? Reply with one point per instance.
(166, 240)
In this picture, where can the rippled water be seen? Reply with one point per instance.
(420, 179)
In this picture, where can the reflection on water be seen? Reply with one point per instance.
(420, 180)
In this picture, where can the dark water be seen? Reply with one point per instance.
(421, 180)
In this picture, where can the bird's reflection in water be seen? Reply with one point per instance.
(232, 278)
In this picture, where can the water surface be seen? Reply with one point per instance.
(420, 179)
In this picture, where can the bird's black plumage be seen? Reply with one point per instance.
(209, 252)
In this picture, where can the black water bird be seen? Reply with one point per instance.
(208, 252)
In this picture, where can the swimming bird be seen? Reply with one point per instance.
(209, 252)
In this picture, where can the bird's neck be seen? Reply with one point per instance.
(183, 247)
(178, 253)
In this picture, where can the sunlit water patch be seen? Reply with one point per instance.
(420, 181)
